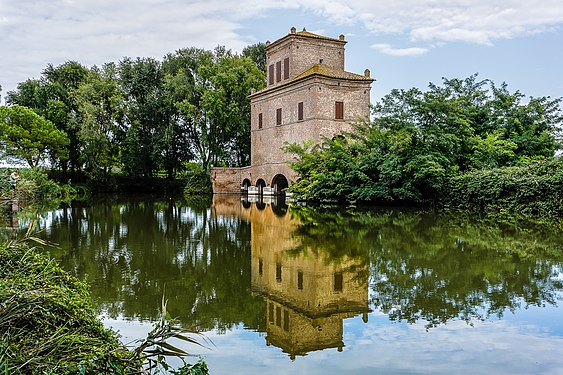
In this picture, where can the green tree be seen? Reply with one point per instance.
(146, 115)
(51, 97)
(209, 91)
(418, 140)
(257, 53)
(100, 105)
(26, 135)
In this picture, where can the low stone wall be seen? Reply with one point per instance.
(228, 180)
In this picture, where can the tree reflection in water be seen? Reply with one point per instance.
(295, 273)
(439, 267)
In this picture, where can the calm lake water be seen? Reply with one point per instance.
(298, 290)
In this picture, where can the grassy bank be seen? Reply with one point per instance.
(34, 184)
(48, 325)
(47, 321)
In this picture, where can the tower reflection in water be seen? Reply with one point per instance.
(307, 294)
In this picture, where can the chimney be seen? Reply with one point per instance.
(293, 30)
(366, 73)
(341, 37)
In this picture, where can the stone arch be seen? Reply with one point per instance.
(260, 184)
(279, 184)
(245, 184)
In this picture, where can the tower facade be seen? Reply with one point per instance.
(308, 96)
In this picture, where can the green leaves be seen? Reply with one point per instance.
(28, 136)
(418, 140)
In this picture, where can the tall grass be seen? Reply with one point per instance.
(48, 324)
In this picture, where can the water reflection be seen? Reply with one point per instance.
(438, 268)
(304, 279)
(309, 294)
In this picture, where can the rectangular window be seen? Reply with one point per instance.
(278, 71)
(339, 111)
(271, 312)
(278, 116)
(278, 316)
(286, 68)
(300, 280)
(278, 272)
(300, 111)
(271, 74)
(260, 267)
(286, 320)
(259, 121)
(338, 281)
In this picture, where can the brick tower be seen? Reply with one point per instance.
(308, 96)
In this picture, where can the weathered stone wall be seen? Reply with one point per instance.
(318, 95)
(227, 180)
(303, 53)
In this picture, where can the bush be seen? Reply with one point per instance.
(197, 180)
(535, 189)
(47, 322)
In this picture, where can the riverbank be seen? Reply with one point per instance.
(48, 323)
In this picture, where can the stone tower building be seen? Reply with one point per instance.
(308, 96)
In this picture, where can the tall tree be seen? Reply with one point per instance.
(100, 105)
(51, 97)
(257, 53)
(26, 135)
(146, 115)
(209, 91)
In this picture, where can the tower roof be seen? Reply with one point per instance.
(305, 35)
(331, 72)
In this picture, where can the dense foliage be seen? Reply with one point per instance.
(418, 141)
(26, 135)
(141, 116)
(48, 325)
(34, 184)
(440, 267)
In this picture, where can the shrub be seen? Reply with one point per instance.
(535, 189)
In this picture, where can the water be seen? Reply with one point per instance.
(323, 291)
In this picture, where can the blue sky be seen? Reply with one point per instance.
(404, 43)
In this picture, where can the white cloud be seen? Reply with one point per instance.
(35, 33)
(389, 50)
(474, 21)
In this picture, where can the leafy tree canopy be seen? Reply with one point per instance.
(418, 140)
(26, 135)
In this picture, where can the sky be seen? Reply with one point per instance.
(404, 43)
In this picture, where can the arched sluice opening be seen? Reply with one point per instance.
(260, 184)
(279, 184)
(245, 185)
(279, 206)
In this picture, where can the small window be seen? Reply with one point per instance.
(259, 121)
(271, 312)
(320, 61)
(278, 116)
(338, 281)
(260, 267)
(278, 71)
(271, 74)
(300, 111)
(300, 280)
(286, 68)
(339, 111)
(278, 272)
(278, 316)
